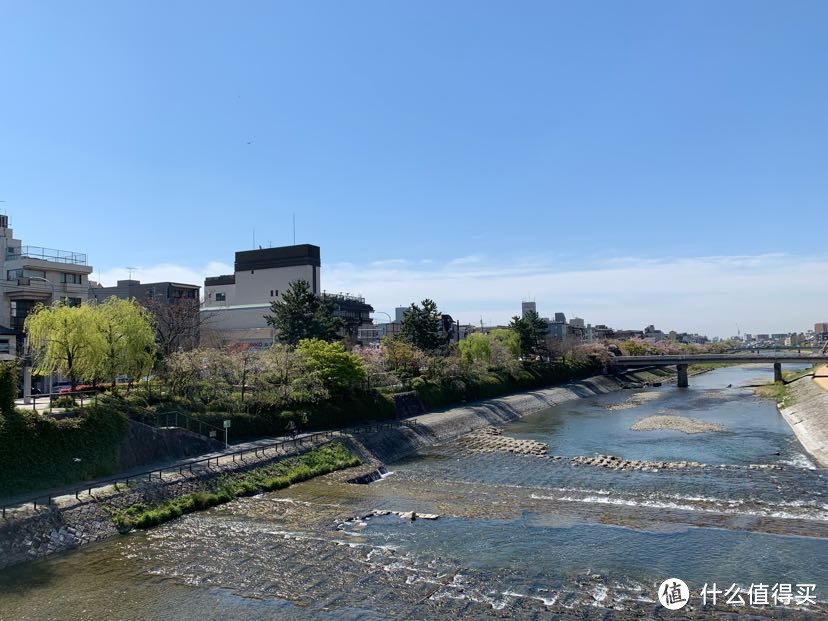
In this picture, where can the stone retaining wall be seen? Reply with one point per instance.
(70, 522)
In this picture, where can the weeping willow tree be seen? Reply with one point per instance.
(92, 342)
(63, 340)
(124, 339)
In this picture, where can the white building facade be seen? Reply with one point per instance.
(235, 304)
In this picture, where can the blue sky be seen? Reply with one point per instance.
(475, 152)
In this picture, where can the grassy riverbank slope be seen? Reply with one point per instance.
(273, 476)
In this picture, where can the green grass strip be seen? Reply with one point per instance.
(274, 476)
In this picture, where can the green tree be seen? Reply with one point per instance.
(404, 359)
(63, 341)
(476, 348)
(302, 315)
(498, 349)
(422, 326)
(125, 339)
(531, 331)
(338, 369)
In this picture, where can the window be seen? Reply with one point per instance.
(72, 301)
(271, 293)
(221, 297)
(5, 346)
(24, 273)
(71, 279)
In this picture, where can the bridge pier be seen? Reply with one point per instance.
(682, 375)
(777, 372)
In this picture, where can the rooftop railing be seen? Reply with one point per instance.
(47, 254)
(344, 296)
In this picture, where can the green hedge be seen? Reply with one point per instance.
(37, 452)
(340, 411)
(434, 394)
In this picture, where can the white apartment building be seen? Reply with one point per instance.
(30, 275)
(235, 304)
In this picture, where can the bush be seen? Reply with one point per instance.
(64, 401)
(38, 452)
(8, 386)
(448, 391)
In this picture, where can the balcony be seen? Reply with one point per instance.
(47, 254)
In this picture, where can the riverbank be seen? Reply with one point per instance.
(102, 513)
(436, 427)
(808, 417)
(72, 521)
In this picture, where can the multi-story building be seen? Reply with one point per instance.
(525, 307)
(165, 292)
(353, 309)
(235, 304)
(33, 275)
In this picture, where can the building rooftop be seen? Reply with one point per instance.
(226, 279)
(284, 256)
(47, 254)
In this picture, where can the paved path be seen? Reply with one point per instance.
(223, 457)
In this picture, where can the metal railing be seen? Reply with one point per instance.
(182, 420)
(47, 254)
(80, 397)
(158, 473)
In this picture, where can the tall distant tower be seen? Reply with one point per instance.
(525, 307)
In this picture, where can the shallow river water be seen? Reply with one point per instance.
(518, 536)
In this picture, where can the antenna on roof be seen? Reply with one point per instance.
(130, 270)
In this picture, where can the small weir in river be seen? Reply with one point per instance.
(525, 532)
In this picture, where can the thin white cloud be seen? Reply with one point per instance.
(759, 293)
(162, 272)
(712, 295)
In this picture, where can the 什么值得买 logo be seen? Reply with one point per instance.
(673, 594)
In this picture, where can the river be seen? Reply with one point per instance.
(518, 535)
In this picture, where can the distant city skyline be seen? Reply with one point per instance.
(630, 164)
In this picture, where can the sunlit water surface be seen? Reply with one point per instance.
(518, 535)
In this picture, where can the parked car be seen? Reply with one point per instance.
(80, 388)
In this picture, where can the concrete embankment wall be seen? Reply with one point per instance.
(808, 418)
(393, 444)
(144, 445)
(70, 522)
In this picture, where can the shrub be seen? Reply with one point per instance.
(38, 452)
(8, 386)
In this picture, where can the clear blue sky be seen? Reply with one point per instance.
(566, 135)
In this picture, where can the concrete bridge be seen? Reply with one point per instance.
(797, 348)
(681, 362)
